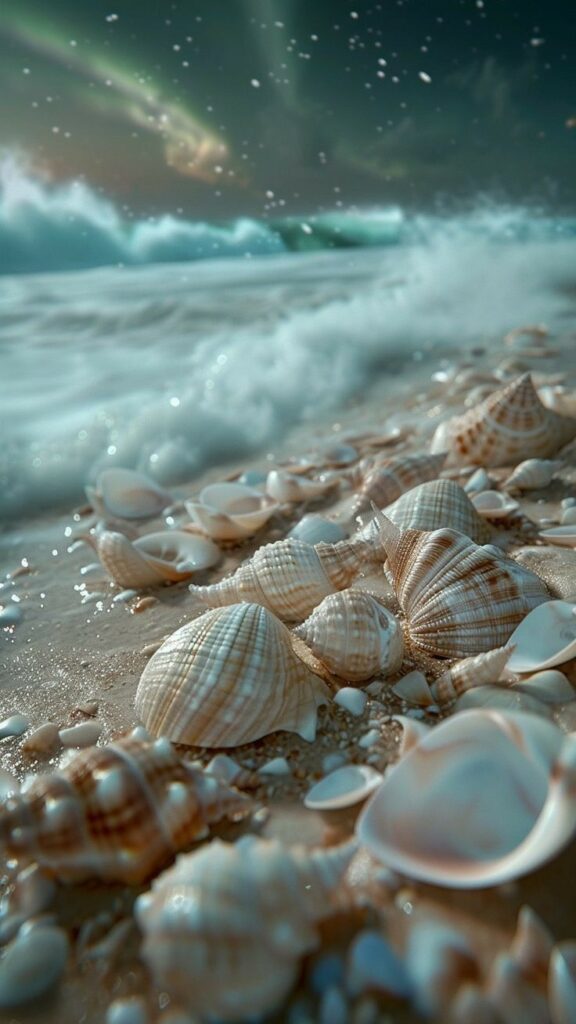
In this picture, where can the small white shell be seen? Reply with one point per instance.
(127, 494)
(32, 964)
(549, 686)
(284, 487)
(15, 725)
(84, 734)
(228, 511)
(344, 787)
(313, 529)
(564, 535)
(501, 698)
(170, 555)
(479, 481)
(435, 504)
(531, 474)
(414, 689)
(494, 504)
(546, 637)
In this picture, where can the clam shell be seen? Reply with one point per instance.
(385, 481)
(283, 486)
(509, 776)
(546, 637)
(170, 555)
(228, 511)
(435, 504)
(118, 813)
(531, 474)
(229, 677)
(224, 929)
(127, 494)
(494, 504)
(564, 535)
(509, 425)
(354, 636)
(459, 598)
(343, 787)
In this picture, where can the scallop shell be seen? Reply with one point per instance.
(435, 504)
(531, 474)
(459, 598)
(509, 425)
(385, 481)
(509, 776)
(228, 511)
(127, 494)
(229, 677)
(155, 558)
(224, 929)
(291, 577)
(545, 638)
(283, 486)
(471, 672)
(354, 636)
(118, 813)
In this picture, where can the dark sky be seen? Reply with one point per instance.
(216, 108)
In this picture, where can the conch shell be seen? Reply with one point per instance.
(472, 672)
(229, 677)
(170, 555)
(481, 799)
(117, 813)
(230, 511)
(435, 504)
(532, 473)
(509, 425)
(354, 636)
(385, 481)
(127, 495)
(291, 577)
(224, 929)
(459, 598)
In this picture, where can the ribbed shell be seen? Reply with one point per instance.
(291, 577)
(170, 555)
(118, 813)
(354, 636)
(225, 927)
(459, 598)
(471, 672)
(435, 504)
(228, 678)
(385, 482)
(510, 425)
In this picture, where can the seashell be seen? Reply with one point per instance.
(414, 689)
(494, 504)
(384, 482)
(228, 511)
(229, 677)
(479, 481)
(313, 529)
(531, 474)
(438, 960)
(512, 994)
(501, 698)
(564, 535)
(373, 965)
(549, 686)
(117, 813)
(435, 504)
(509, 425)
(225, 927)
(557, 568)
(127, 494)
(352, 700)
(545, 638)
(84, 734)
(354, 636)
(290, 577)
(472, 1006)
(170, 555)
(471, 672)
(32, 964)
(562, 983)
(510, 776)
(537, 333)
(15, 725)
(344, 787)
(283, 486)
(531, 946)
(459, 598)
(568, 516)
(41, 741)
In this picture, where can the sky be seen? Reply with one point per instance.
(213, 109)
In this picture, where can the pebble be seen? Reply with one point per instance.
(333, 1007)
(13, 726)
(277, 766)
(569, 516)
(8, 784)
(373, 964)
(374, 689)
(332, 761)
(129, 1010)
(369, 738)
(351, 700)
(32, 964)
(568, 503)
(124, 596)
(85, 734)
(11, 615)
(42, 740)
(223, 767)
(88, 707)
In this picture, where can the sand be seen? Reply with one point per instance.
(77, 655)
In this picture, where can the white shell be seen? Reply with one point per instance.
(564, 535)
(284, 486)
(438, 958)
(562, 983)
(479, 481)
(510, 776)
(313, 528)
(228, 511)
(531, 474)
(32, 964)
(501, 698)
(549, 686)
(546, 637)
(127, 494)
(414, 689)
(344, 787)
(494, 504)
(224, 929)
(170, 555)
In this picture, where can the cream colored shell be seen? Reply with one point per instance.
(227, 678)
(471, 672)
(229, 510)
(531, 474)
(459, 598)
(167, 556)
(354, 636)
(386, 480)
(117, 813)
(435, 504)
(510, 425)
(127, 494)
(225, 928)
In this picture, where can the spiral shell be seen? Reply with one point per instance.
(435, 504)
(511, 424)
(532, 473)
(127, 494)
(472, 672)
(170, 555)
(229, 511)
(283, 486)
(118, 813)
(384, 482)
(225, 927)
(459, 598)
(227, 678)
(354, 636)
(291, 577)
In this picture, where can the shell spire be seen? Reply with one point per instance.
(472, 672)
(384, 481)
(343, 561)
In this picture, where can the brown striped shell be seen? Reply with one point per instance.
(225, 928)
(459, 598)
(385, 481)
(471, 672)
(117, 813)
(291, 577)
(435, 504)
(229, 677)
(354, 636)
(510, 425)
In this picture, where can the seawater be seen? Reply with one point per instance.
(171, 368)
